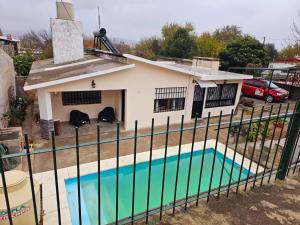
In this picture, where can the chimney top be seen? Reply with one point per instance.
(67, 1)
(65, 9)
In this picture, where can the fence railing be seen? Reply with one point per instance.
(180, 165)
(286, 78)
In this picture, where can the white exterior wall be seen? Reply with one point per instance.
(108, 99)
(139, 83)
(7, 77)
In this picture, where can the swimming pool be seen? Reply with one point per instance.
(89, 189)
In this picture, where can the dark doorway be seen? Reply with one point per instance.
(198, 101)
(123, 105)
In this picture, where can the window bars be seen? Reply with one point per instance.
(169, 99)
(81, 97)
(223, 95)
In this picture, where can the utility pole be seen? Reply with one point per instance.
(99, 26)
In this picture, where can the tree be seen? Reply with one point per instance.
(32, 40)
(123, 47)
(148, 48)
(88, 42)
(182, 44)
(243, 51)
(290, 51)
(271, 51)
(23, 63)
(1, 33)
(228, 33)
(293, 48)
(296, 29)
(47, 47)
(41, 40)
(208, 46)
(169, 31)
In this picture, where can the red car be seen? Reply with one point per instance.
(264, 89)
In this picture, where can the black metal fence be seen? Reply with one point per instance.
(266, 138)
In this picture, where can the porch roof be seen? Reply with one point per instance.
(73, 71)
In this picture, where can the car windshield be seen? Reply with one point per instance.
(271, 85)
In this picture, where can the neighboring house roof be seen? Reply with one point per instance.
(9, 39)
(71, 72)
(200, 72)
(295, 59)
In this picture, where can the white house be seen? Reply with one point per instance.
(137, 88)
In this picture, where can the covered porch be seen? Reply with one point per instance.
(55, 109)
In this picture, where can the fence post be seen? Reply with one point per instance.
(290, 143)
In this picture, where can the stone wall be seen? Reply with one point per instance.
(12, 138)
(9, 49)
(46, 127)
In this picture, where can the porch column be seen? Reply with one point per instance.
(46, 117)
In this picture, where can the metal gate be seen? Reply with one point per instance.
(198, 101)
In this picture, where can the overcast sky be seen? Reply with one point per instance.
(135, 19)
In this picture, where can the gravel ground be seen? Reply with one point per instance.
(271, 204)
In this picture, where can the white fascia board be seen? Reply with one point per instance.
(79, 77)
(226, 77)
(206, 84)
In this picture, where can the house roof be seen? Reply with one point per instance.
(46, 74)
(49, 76)
(295, 59)
(9, 39)
(201, 73)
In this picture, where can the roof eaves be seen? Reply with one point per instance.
(226, 77)
(75, 78)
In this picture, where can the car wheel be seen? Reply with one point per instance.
(270, 98)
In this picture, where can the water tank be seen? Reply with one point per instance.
(65, 10)
(20, 199)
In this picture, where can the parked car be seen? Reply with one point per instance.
(264, 90)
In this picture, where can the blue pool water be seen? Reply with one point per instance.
(89, 188)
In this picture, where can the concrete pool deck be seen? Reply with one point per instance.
(47, 178)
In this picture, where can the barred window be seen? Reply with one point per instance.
(169, 99)
(223, 95)
(81, 97)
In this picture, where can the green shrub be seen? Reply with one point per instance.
(23, 63)
(17, 111)
(252, 132)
